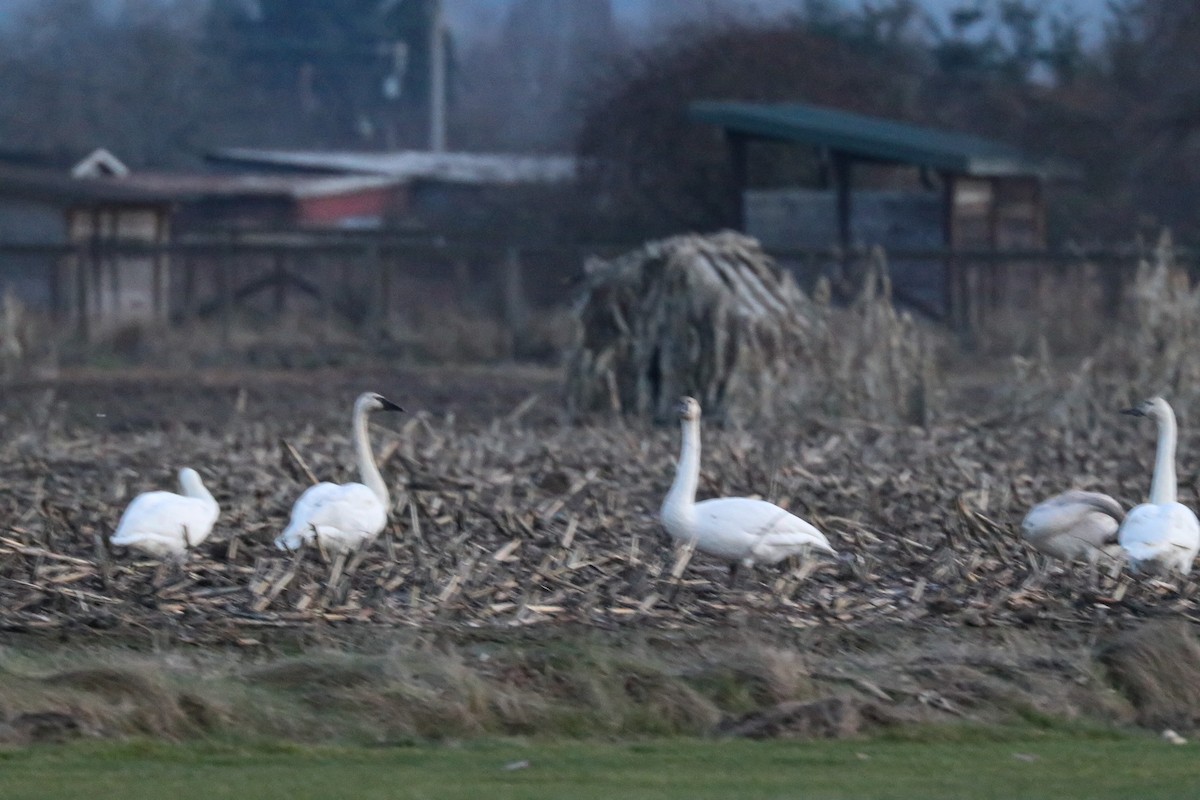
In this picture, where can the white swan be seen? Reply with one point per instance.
(165, 524)
(343, 517)
(1163, 533)
(740, 530)
(1075, 526)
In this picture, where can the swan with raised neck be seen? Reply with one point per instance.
(1162, 533)
(342, 517)
(738, 530)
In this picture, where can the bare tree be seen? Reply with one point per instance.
(653, 171)
(136, 82)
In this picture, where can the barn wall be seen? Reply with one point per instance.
(898, 220)
(109, 291)
(367, 208)
(29, 276)
(807, 218)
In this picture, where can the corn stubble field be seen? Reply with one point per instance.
(524, 585)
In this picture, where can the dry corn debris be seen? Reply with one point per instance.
(507, 519)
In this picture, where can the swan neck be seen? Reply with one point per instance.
(194, 487)
(687, 472)
(368, 470)
(1163, 484)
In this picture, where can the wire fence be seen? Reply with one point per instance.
(371, 279)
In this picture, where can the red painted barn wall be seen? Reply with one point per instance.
(366, 205)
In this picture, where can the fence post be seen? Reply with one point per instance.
(377, 302)
(279, 281)
(515, 312)
(225, 295)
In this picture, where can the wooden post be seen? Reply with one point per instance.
(842, 177)
(83, 261)
(950, 268)
(374, 283)
(159, 267)
(279, 281)
(385, 289)
(515, 311)
(739, 165)
(225, 293)
(188, 305)
(990, 285)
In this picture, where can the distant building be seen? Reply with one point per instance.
(432, 190)
(92, 241)
(72, 233)
(965, 192)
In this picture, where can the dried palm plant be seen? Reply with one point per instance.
(716, 318)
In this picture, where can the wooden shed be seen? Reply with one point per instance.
(88, 243)
(966, 192)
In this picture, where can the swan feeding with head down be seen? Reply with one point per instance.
(739, 530)
(1075, 526)
(1162, 533)
(343, 517)
(166, 525)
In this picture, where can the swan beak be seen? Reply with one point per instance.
(1133, 412)
(388, 405)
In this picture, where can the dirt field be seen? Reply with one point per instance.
(509, 523)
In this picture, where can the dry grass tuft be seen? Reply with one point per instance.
(1158, 667)
(869, 360)
(317, 672)
(1153, 348)
(138, 698)
(26, 342)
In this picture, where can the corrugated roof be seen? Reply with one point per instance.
(878, 139)
(169, 187)
(184, 185)
(472, 168)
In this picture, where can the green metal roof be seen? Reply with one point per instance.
(877, 139)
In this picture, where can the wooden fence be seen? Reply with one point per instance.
(369, 279)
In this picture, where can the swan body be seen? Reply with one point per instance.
(346, 516)
(166, 525)
(738, 530)
(1075, 526)
(1162, 534)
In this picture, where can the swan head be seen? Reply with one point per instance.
(191, 484)
(370, 401)
(1156, 408)
(189, 477)
(689, 409)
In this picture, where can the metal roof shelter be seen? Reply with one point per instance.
(847, 137)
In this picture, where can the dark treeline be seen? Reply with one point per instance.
(161, 81)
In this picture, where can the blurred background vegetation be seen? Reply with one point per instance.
(160, 82)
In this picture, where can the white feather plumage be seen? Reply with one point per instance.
(343, 517)
(165, 524)
(1162, 534)
(738, 530)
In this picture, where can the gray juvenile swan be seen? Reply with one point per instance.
(1075, 526)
